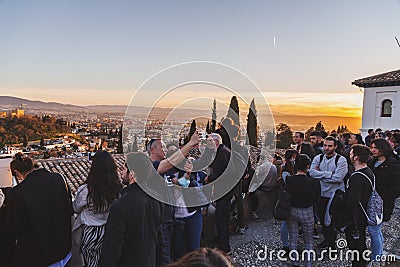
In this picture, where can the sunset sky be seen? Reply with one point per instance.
(303, 55)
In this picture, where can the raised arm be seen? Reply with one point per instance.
(178, 156)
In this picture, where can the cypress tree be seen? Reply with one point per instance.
(192, 129)
(252, 124)
(214, 116)
(208, 127)
(233, 111)
(191, 132)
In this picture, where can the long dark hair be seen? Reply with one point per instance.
(103, 182)
(383, 146)
(289, 167)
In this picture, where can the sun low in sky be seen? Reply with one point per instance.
(326, 104)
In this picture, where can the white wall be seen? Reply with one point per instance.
(373, 98)
(5, 173)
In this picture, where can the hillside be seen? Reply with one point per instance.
(296, 122)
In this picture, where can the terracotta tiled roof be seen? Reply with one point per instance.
(76, 170)
(391, 78)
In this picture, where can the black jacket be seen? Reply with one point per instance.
(358, 190)
(307, 149)
(387, 183)
(318, 149)
(220, 163)
(132, 230)
(40, 219)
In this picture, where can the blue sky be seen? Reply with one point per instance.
(100, 52)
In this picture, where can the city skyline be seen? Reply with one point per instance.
(302, 55)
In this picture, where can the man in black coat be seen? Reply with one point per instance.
(386, 167)
(217, 169)
(229, 133)
(358, 190)
(134, 220)
(40, 218)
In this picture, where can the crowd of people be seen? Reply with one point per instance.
(332, 180)
(124, 219)
(114, 219)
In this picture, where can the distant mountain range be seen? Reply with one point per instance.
(8, 102)
(14, 102)
(296, 122)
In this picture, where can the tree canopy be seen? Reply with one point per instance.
(14, 130)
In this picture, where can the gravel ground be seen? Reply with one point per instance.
(267, 234)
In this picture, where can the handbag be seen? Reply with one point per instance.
(283, 206)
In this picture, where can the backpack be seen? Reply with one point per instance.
(321, 156)
(374, 211)
(283, 207)
(338, 219)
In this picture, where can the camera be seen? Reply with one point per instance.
(203, 135)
